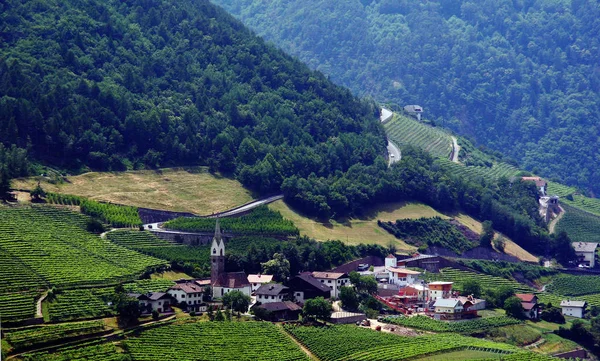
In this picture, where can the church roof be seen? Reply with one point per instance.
(232, 280)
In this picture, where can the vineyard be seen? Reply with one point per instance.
(93, 303)
(486, 281)
(558, 189)
(45, 246)
(40, 335)
(574, 285)
(496, 171)
(224, 341)
(581, 226)
(429, 324)
(261, 221)
(114, 214)
(352, 343)
(405, 131)
(591, 205)
(89, 352)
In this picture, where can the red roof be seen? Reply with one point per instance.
(390, 256)
(528, 305)
(525, 297)
(232, 280)
(188, 287)
(538, 181)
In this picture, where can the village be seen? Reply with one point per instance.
(400, 289)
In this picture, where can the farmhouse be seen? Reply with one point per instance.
(223, 282)
(154, 301)
(281, 311)
(335, 281)
(440, 289)
(258, 280)
(586, 253)
(305, 286)
(271, 293)
(471, 303)
(573, 308)
(529, 301)
(403, 276)
(448, 309)
(190, 293)
(413, 294)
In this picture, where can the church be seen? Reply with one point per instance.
(221, 281)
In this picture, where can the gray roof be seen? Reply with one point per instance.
(585, 246)
(280, 306)
(419, 257)
(571, 303)
(271, 289)
(447, 302)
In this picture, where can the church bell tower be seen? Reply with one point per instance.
(217, 255)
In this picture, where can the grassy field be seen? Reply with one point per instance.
(176, 189)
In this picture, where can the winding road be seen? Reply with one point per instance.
(394, 154)
(455, 149)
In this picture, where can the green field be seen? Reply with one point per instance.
(224, 341)
(43, 246)
(493, 173)
(87, 352)
(403, 130)
(470, 326)
(337, 343)
(40, 335)
(486, 281)
(581, 226)
(570, 285)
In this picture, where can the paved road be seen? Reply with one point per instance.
(394, 153)
(455, 150)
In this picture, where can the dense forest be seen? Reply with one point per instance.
(114, 85)
(518, 76)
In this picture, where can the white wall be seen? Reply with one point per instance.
(573, 311)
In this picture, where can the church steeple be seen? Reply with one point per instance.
(217, 255)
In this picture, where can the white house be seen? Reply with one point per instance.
(586, 252)
(271, 293)
(403, 276)
(440, 289)
(334, 280)
(154, 301)
(448, 308)
(190, 293)
(258, 280)
(573, 308)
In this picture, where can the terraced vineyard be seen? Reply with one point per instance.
(493, 173)
(560, 190)
(115, 214)
(581, 226)
(591, 205)
(405, 131)
(347, 342)
(224, 341)
(45, 246)
(429, 324)
(486, 281)
(40, 335)
(93, 303)
(570, 285)
(89, 352)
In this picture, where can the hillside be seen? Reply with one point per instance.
(515, 76)
(107, 85)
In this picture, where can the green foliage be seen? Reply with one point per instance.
(508, 269)
(487, 235)
(553, 314)
(570, 285)
(17, 306)
(465, 327)
(365, 284)
(349, 298)
(348, 342)
(237, 301)
(317, 308)
(243, 341)
(581, 226)
(431, 231)
(513, 307)
(261, 221)
(472, 287)
(114, 214)
(519, 335)
(94, 351)
(279, 267)
(37, 336)
(530, 91)
(487, 282)
(405, 131)
(38, 193)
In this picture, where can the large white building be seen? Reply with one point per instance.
(334, 280)
(573, 308)
(271, 293)
(586, 253)
(223, 282)
(258, 280)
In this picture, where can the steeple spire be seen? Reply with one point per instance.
(218, 236)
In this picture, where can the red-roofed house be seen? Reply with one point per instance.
(258, 280)
(529, 301)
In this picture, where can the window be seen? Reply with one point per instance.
(182, 296)
(159, 303)
(214, 251)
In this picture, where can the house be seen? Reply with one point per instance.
(403, 276)
(154, 301)
(271, 293)
(529, 301)
(190, 293)
(471, 303)
(305, 286)
(414, 110)
(586, 253)
(335, 281)
(539, 183)
(281, 311)
(258, 280)
(223, 282)
(573, 308)
(440, 289)
(448, 308)
(413, 293)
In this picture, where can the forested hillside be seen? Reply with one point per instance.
(112, 85)
(518, 76)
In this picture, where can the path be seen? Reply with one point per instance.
(554, 222)
(103, 235)
(455, 149)
(38, 310)
(535, 344)
(308, 353)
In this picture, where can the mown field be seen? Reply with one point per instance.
(44, 246)
(193, 190)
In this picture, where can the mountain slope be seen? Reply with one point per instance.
(115, 85)
(519, 77)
